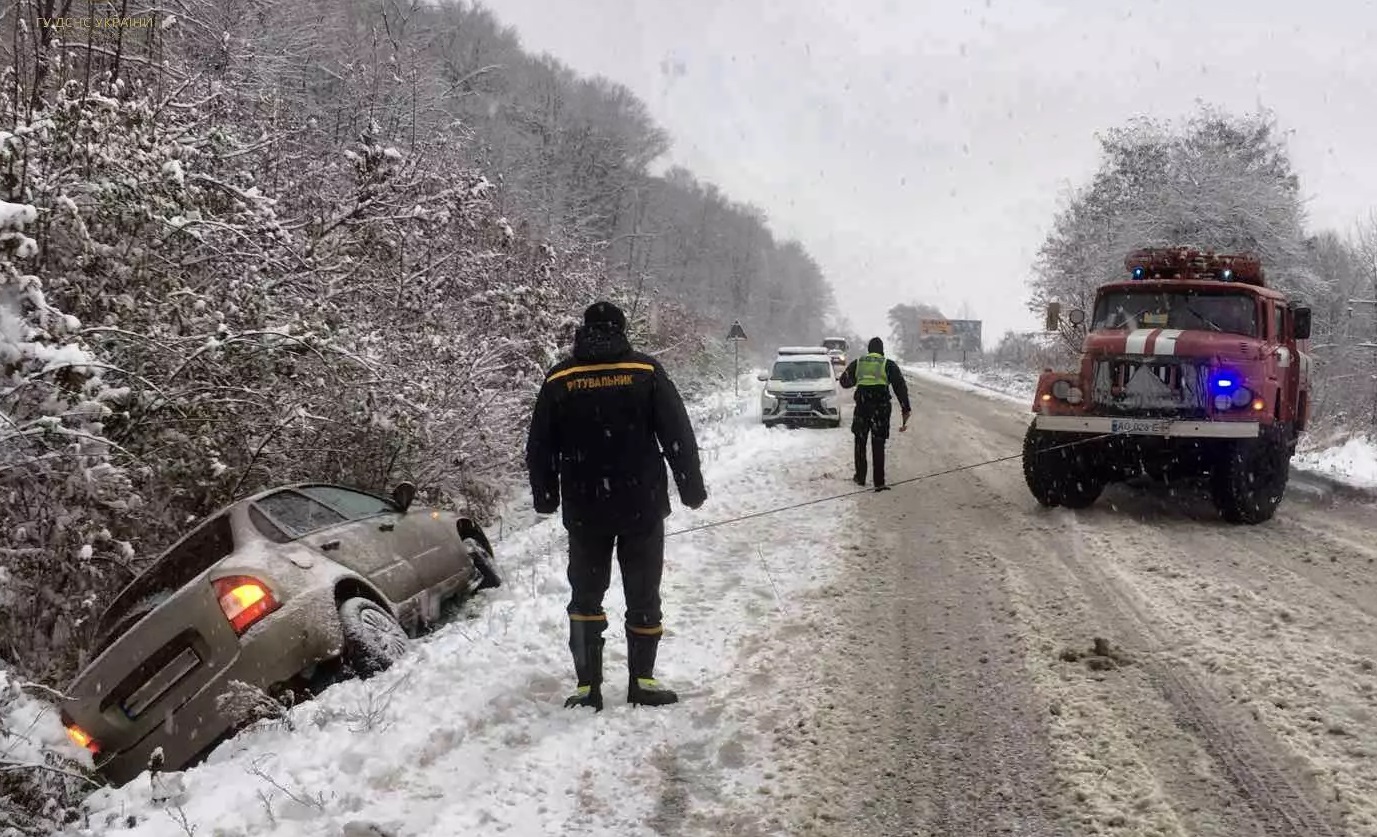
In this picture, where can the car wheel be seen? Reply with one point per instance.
(483, 563)
(373, 639)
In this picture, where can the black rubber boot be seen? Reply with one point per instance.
(586, 642)
(642, 688)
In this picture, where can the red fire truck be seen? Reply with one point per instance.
(1190, 367)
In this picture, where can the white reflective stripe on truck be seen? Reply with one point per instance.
(1150, 427)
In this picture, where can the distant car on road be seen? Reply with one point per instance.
(274, 591)
(836, 349)
(800, 388)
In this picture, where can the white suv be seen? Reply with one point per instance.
(801, 389)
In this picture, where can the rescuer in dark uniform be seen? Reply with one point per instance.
(605, 422)
(873, 375)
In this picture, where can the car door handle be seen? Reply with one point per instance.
(386, 527)
(329, 545)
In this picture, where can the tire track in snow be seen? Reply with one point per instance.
(1125, 761)
(1241, 747)
(921, 720)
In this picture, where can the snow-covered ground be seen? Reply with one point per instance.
(468, 734)
(29, 727)
(1353, 461)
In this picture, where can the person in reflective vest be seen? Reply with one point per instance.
(873, 376)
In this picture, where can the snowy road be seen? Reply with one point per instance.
(952, 690)
(915, 662)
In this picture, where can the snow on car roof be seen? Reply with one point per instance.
(816, 355)
(801, 350)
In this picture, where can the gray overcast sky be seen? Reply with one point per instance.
(919, 149)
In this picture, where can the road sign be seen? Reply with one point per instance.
(949, 335)
(736, 334)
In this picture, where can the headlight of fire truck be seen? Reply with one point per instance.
(1064, 391)
(1231, 394)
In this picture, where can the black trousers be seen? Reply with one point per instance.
(871, 420)
(641, 555)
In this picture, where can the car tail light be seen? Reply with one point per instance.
(82, 738)
(244, 600)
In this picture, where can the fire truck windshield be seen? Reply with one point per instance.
(1234, 313)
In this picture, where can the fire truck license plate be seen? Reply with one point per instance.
(1152, 426)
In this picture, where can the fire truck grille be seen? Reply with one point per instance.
(1150, 387)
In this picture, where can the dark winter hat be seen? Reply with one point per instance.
(876, 346)
(605, 313)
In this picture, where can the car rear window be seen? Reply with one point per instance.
(355, 504)
(297, 513)
(174, 569)
(270, 530)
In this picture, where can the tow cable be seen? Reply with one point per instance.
(855, 492)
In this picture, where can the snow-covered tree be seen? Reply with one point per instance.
(904, 327)
(1217, 180)
(251, 242)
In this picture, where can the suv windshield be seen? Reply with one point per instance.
(838, 345)
(801, 370)
(1234, 313)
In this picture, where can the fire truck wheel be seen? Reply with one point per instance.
(1249, 478)
(1058, 475)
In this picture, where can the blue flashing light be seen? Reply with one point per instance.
(1227, 382)
(1138, 272)
(1227, 275)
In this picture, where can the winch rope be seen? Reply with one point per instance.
(920, 478)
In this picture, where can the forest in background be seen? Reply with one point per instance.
(248, 242)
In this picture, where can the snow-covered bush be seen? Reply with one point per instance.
(59, 479)
(183, 348)
(1032, 351)
(42, 775)
(314, 242)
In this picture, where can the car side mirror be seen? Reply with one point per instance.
(1076, 316)
(403, 494)
(1301, 320)
(763, 376)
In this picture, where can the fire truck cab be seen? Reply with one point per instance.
(1190, 367)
